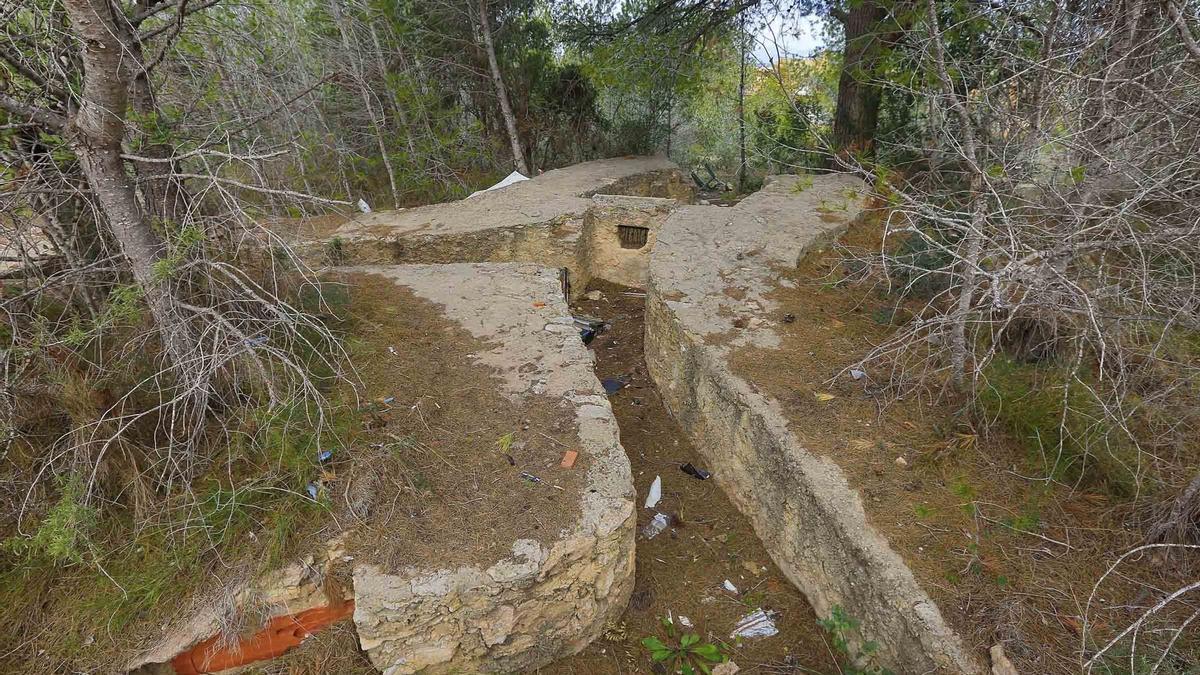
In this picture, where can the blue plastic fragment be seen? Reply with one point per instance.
(612, 385)
(312, 490)
(324, 456)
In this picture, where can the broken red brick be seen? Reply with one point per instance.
(569, 458)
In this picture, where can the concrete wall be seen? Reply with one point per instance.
(599, 252)
(544, 220)
(800, 504)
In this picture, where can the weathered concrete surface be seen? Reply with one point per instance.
(539, 220)
(710, 267)
(600, 255)
(542, 602)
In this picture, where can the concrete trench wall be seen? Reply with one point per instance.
(810, 519)
(552, 244)
(542, 602)
(663, 183)
(599, 254)
(553, 220)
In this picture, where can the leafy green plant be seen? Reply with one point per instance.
(841, 627)
(505, 442)
(689, 655)
(335, 251)
(63, 535)
(1061, 424)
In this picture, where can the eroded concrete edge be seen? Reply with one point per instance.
(800, 504)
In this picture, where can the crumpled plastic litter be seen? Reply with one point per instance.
(655, 493)
(613, 384)
(656, 525)
(757, 624)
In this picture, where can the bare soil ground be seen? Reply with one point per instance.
(681, 571)
(1009, 558)
(444, 483)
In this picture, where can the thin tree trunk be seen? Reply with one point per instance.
(742, 105)
(397, 106)
(162, 196)
(95, 133)
(858, 99)
(973, 238)
(510, 120)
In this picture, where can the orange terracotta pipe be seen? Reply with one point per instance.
(279, 635)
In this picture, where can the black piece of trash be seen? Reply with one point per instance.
(589, 327)
(694, 472)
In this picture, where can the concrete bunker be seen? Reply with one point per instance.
(570, 218)
(628, 221)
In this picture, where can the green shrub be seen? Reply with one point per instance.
(841, 627)
(921, 268)
(1078, 445)
(64, 534)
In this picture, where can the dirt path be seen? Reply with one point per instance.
(681, 571)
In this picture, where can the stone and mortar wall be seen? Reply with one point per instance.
(541, 603)
(800, 504)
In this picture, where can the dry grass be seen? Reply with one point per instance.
(1009, 554)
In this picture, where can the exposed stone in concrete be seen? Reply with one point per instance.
(709, 272)
(543, 601)
(542, 220)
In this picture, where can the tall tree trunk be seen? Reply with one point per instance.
(741, 179)
(510, 120)
(95, 133)
(162, 196)
(857, 113)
